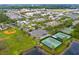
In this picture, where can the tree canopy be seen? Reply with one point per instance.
(75, 33)
(5, 19)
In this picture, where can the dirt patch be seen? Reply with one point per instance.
(10, 31)
(1, 39)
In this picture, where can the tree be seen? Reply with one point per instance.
(75, 33)
(5, 19)
(68, 22)
(2, 45)
(24, 18)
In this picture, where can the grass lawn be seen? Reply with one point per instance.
(16, 43)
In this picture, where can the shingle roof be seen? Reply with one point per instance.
(38, 33)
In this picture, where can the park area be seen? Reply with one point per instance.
(14, 41)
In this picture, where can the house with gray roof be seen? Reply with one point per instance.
(38, 33)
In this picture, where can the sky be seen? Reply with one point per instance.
(39, 1)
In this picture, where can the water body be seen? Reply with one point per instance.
(35, 51)
(73, 50)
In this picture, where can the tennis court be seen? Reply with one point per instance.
(61, 35)
(51, 42)
(67, 30)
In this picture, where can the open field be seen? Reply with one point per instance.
(15, 43)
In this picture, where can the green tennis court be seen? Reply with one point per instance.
(51, 42)
(61, 35)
